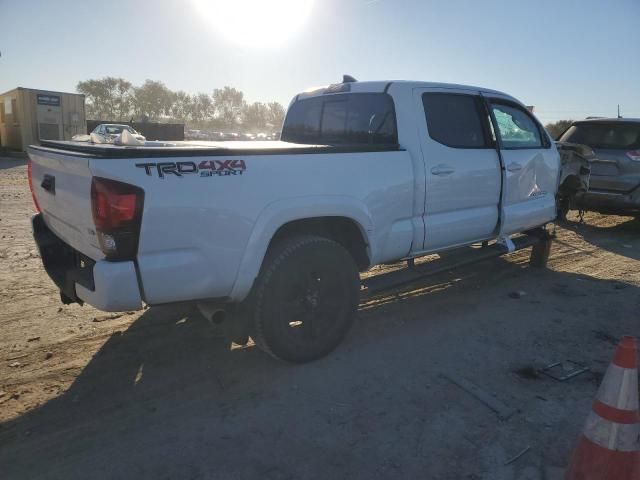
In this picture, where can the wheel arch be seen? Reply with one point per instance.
(343, 219)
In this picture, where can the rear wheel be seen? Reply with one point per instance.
(305, 298)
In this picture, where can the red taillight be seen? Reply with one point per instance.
(117, 215)
(33, 193)
(113, 210)
(634, 155)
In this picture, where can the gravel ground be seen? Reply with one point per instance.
(160, 393)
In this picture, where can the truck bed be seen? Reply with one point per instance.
(203, 148)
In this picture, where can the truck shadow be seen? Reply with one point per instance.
(169, 397)
(621, 236)
(11, 162)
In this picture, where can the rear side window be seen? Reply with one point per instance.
(516, 127)
(615, 136)
(342, 119)
(455, 120)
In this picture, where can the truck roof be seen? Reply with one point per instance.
(376, 86)
(608, 120)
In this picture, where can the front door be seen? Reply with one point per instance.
(532, 167)
(463, 175)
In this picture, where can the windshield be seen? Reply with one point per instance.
(616, 136)
(116, 129)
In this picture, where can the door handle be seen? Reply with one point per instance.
(442, 170)
(514, 167)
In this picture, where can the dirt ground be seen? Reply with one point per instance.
(160, 394)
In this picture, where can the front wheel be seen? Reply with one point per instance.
(305, 298)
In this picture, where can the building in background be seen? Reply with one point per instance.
(29, 115)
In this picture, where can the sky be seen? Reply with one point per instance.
(569, 58)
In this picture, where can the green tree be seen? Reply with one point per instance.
(228, 104)
(254, 116)
(152, 100)
(201, 108)
(107, 98)
(275, 116)
(181, 104)
(555, 129)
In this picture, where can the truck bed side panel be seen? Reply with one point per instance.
(196, 226)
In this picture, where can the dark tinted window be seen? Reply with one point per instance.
(623, 136)
(454, 120)
(342, 119)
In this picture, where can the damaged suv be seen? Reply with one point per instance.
(614, 185)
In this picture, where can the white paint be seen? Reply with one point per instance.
(207, 237)
(619, 389)
(612, 436)
(116, 287)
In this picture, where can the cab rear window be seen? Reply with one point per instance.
(342, 119)
(615, 136)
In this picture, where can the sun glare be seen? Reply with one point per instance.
(255, 23)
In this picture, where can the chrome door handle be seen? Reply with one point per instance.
(514, 167)
(442, 170)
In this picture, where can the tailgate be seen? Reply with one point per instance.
(62, 188)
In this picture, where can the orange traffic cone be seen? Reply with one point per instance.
(609, 448)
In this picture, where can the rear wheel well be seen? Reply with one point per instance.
(342, 230)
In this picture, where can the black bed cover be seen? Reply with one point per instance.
(197, 149)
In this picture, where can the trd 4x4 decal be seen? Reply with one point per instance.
(206, 168)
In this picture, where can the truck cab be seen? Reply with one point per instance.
(483, 166)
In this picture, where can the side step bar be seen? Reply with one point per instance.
(539, 238)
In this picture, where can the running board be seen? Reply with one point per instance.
(449, 260)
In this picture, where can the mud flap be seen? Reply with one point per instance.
(541, 251)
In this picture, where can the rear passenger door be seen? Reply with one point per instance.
(531, 167)
(463, 176)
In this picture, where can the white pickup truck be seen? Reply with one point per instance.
(276, 232)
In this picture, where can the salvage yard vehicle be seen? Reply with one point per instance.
(112, 130)
(575, 168)
(614, 186)
(271, 236)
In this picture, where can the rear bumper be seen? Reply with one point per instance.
(108, 286)
(607, 201)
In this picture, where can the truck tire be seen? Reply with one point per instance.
(305, 298)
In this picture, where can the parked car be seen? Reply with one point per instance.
(614, 186)
(272, 237)
(112, 130)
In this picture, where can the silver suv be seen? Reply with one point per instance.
(614, 186)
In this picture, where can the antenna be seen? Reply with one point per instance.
(619, 116)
